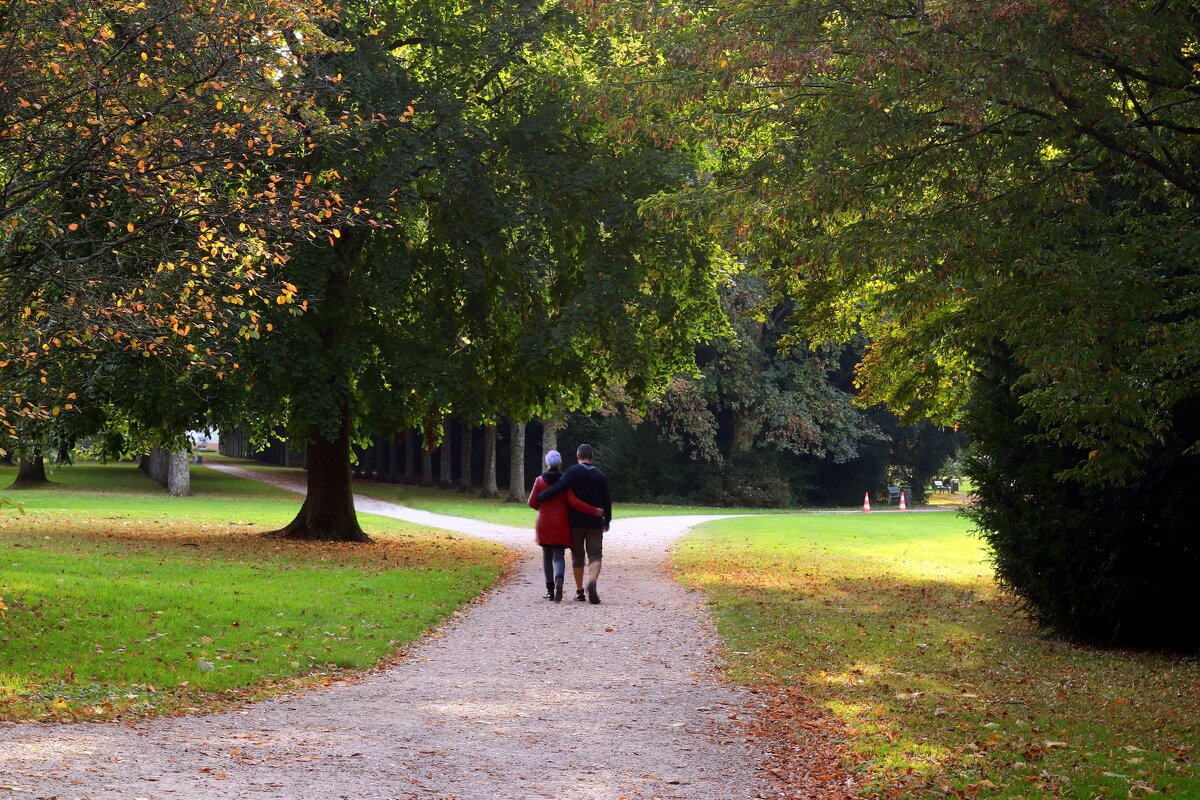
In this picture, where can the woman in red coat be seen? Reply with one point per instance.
(552, 529)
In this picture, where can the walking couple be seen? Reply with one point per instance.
(574, 510)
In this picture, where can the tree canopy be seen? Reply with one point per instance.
(505, 266)
(942, 176)
(150, 183)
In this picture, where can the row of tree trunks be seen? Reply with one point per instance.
(169, 469)
(328, 513)
(383, 460)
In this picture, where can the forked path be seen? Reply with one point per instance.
(518, 698)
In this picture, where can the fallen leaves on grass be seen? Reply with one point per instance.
(133, 606)
(942, 687)
(422, 548)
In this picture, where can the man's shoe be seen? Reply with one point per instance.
(558, 590)
(579, 595)
(549, 595)
(592, 594)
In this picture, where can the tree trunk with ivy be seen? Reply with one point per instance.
(328, 512)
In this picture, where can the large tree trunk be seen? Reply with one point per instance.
(179, 474)
(489, 462)
(464, 479)
(328, 511)
(550, 428)
(516, 464)
(31, 472)
(446, 466)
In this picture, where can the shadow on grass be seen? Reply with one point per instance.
(944, 688)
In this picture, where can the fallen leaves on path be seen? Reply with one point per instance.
(803, 746)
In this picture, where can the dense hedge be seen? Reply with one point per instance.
(1113, 566)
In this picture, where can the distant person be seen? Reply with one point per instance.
(587, 532)
(553, 529)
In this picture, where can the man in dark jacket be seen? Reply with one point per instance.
(587, 532)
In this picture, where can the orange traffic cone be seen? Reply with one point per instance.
(867, 503)
(902, 506)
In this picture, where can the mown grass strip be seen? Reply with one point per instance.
(895, 626)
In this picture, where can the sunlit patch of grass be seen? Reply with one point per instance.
(894, 624)
(124, 602)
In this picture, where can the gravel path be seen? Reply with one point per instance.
(516, 699)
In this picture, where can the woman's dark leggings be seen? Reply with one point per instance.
(554, 563)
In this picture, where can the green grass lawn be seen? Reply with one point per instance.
(893, 624)
(125, 602)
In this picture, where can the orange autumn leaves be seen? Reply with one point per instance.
(152, 176)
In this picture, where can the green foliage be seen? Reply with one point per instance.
(150, 185)
(936, 175)
(764, 425)
(506, 267)
(741, 432)
(1107, 566)
(770, 390)
(757, 480)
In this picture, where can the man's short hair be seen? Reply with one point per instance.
(585, 451)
